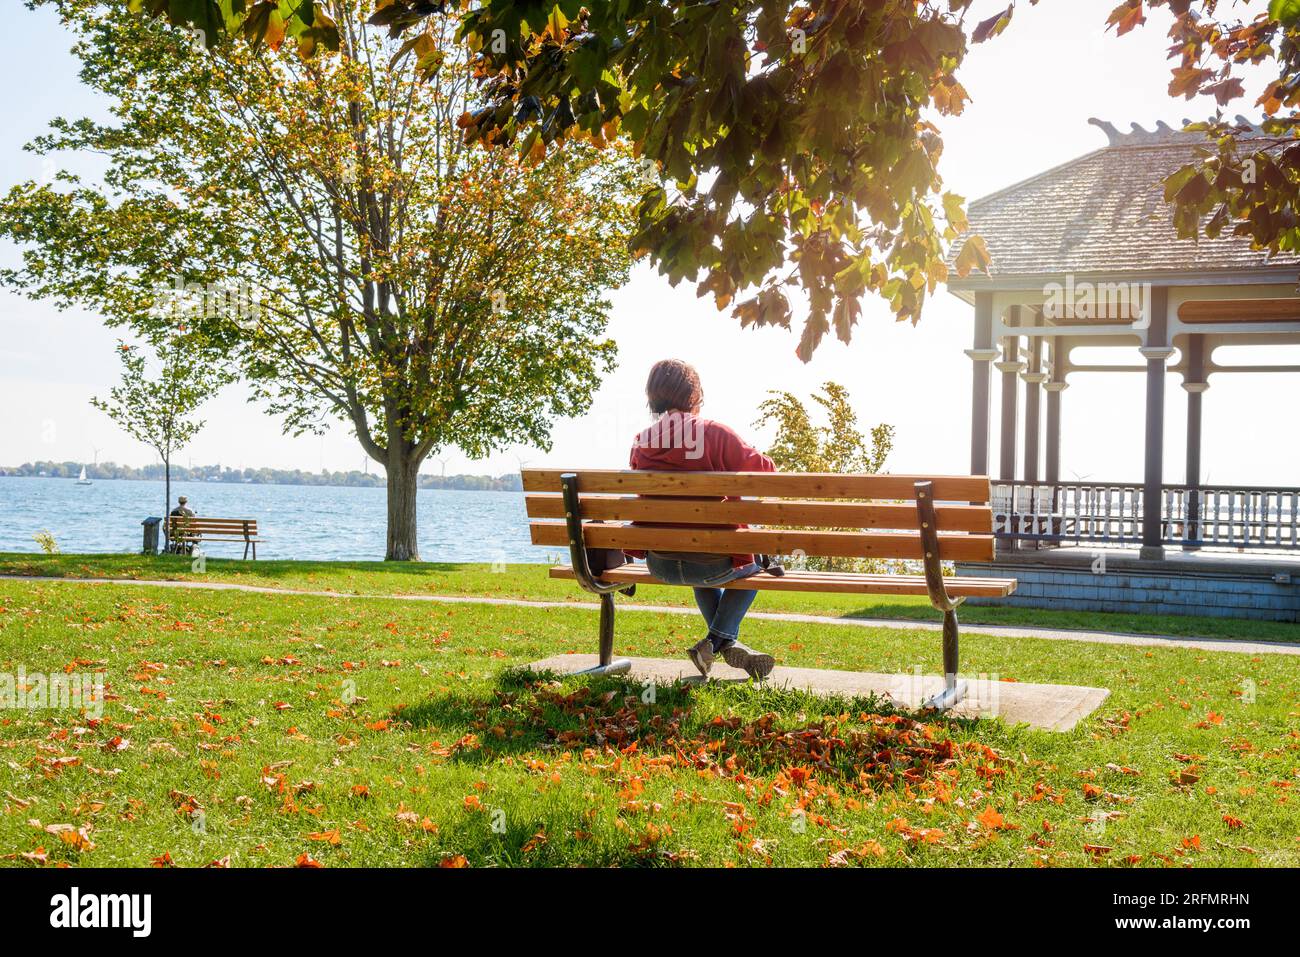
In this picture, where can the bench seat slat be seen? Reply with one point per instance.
(620, 508)
(209, 533)
(769, 542)
(955, 488)
(829, 583)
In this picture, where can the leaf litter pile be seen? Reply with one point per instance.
(801, 776)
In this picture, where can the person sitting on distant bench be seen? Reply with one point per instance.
(186, 545)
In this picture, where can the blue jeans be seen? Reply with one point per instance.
(722, 608)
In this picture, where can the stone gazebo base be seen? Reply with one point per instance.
(1256, 586)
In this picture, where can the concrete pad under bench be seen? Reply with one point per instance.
(1046, 707)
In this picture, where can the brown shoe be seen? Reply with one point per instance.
(757, 664)
(701, 655)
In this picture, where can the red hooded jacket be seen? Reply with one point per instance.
(682, 442)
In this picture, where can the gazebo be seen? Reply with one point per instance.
(1086, 255)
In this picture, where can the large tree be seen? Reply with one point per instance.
(788, 142)
(425, 290)
(797, 129)
(1247, 179)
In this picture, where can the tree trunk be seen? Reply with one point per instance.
(167, 501)
(403, 471)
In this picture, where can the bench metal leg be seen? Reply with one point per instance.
(608, 665)
(953, 693)
(953, 690)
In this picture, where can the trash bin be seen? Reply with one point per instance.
(150, 536)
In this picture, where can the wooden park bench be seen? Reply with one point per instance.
(932, 520)
(186, 531)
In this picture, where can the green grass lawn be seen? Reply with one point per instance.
(279, 729)
(531, 581)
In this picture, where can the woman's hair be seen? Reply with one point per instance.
(673, 385)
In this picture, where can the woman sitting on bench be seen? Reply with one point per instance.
(680, 441)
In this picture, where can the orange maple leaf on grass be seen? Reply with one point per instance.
(923, 835)
(38, 856)
(992, 819)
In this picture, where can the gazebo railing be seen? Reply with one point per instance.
(1111, 513)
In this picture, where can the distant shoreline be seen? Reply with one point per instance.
(215, 475)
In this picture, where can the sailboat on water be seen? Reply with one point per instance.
(81, 479)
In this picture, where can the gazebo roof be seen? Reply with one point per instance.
(1104, 214)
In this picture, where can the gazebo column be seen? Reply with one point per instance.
(1010, 367)
(1052, 457)
(1157, 353)
(1055, 386)
(1034, 378)
(1195, 385)
(981, 356)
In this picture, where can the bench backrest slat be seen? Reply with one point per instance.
(179, 520)
(951, 488)
(978, 548)
(797, 513)
(186, 523)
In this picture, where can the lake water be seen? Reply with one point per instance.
(297, 521)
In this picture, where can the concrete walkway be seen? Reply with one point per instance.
(1005, 631)
(1042, 706)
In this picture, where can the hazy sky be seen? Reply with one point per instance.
(1033, 90)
